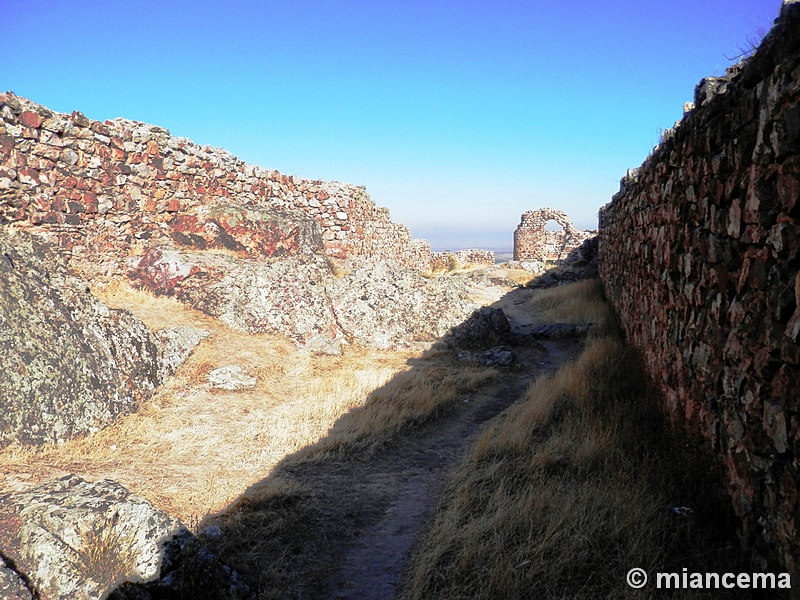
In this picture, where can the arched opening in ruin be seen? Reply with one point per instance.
(553, 225)
(555, 242)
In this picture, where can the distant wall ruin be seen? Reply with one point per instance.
(699, 257)
(120, 181)
(442, 261)
(533, 243)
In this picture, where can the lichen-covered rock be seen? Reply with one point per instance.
(485, 328)
(256, 232)
(285, 297)
(500, 356)
(377, 303)
(383, 305)
(76, 540)
(175, 345)
(188, 570)
(69, 364)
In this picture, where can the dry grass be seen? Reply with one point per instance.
(579, 302)
(412, 397)
(567, 491)
(107, 554)
(192, 450)
(272, 531)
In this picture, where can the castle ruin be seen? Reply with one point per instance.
(533, 243)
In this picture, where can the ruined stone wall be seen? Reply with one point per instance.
(442, 261)
(699, 256)
(533, 243)
(121, 181)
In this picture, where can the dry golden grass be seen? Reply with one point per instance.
(567, 491)
(520, 276)
(579, 302)
(412, 397)
(192, 450)
(107, 554)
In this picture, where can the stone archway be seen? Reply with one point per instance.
(533, 243)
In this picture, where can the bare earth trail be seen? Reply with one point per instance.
(381, 503)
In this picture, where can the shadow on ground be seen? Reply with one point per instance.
(339, 518)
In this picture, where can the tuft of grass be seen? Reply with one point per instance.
(107, 554)
(567, 491)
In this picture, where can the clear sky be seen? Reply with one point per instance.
(458, 116)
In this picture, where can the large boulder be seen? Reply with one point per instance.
(383, 305)
(71, 539)
(69, 364)
(485, 328)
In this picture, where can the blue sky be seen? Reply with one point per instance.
(457, 116)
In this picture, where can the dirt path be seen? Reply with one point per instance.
(381, 504)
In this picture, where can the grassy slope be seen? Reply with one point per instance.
(568, 490)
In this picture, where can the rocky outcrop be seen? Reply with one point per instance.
(698, 255)
(75, 540)
(69, 364)
(384, 306)
(533, 243)
(101, 189)
(175, 345)
(375, 303)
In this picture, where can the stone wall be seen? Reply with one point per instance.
(533, 243)
(443, 261)
(121, 182)
(699, 256)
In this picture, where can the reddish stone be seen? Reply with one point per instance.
(323, 195)
(6, 143)
(30, 119)
(79, 119)
(100, 128)
(174, 205)
(54, 218)
(90, 202)
(59, 203)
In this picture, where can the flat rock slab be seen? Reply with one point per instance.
(232, 377)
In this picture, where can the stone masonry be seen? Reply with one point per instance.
(443, 261)
(121, 182)
(699, 256)
(533, 243)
